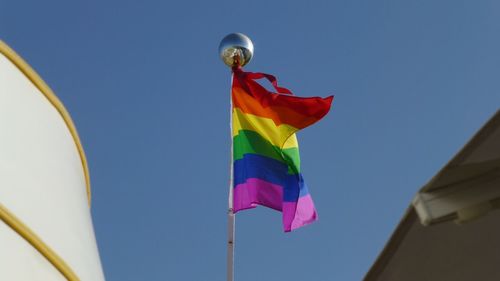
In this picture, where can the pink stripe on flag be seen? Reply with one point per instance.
(297, 214)
(257, 192)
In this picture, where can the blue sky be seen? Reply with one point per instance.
(143, 82)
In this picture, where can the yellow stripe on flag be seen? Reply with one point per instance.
(277, 135)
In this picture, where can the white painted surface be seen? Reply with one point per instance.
(41, 175)
(19, 261)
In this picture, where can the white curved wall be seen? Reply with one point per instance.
(20, 261)
(42, 180)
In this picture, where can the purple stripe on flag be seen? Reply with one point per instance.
(297, 214)
(255, 192)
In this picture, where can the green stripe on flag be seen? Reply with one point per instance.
(250, 142)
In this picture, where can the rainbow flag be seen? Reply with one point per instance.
(266, 158)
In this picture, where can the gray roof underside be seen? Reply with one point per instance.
(447, 251)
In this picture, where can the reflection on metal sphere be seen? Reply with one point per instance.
(236, 49)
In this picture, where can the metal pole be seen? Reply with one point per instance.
(235, 50)
(230, 213)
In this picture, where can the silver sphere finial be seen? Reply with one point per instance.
(236, 49)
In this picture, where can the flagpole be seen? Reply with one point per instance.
(235, 50)
(230, 212)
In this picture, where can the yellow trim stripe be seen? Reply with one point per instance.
(28, 235)
(47, 92)
(277, 135)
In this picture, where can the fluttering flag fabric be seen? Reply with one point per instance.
(266, 158)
